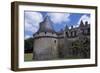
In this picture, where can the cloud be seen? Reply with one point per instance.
(84, 18)
(32, 20)
(27, 36)
(58, 18)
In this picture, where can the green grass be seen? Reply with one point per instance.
(28, 56)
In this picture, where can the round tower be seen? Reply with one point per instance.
(45, 41)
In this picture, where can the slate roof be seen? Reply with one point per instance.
(46, 26)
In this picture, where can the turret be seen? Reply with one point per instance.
(45, 41)
(81, 24)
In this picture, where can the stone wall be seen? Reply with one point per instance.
(45, 48)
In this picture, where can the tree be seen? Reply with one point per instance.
(81, 47)
(28, 45)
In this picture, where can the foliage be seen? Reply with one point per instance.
(28, 45)
(81, 47)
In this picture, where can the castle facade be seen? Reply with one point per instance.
(50, 45)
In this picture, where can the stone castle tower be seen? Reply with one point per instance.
(49, 44)
(45, 41)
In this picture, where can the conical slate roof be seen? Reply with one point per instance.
(46, 25)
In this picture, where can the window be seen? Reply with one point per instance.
(67, 34)
(86, 31)
(71, 33)
(54, 41)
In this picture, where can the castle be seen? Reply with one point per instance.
(50, 45)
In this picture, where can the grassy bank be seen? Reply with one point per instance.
(28, 56)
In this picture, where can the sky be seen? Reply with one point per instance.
(59, 20)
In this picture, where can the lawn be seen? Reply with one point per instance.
(28, 56)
